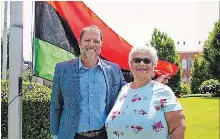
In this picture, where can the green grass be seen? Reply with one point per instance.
(202, 117)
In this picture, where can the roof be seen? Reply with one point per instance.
(188, 48)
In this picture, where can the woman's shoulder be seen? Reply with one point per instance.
(161, 88)
(125, 87)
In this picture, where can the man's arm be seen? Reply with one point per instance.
(176, 124)
(122, 79)
(56, 105)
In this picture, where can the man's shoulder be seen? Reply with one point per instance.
(110, 63)
(65, 64)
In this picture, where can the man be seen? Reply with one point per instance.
(84, 91)
(163, 78)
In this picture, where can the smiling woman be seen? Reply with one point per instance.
(144, 108)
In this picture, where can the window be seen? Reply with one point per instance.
(190, 63)
(184, 63)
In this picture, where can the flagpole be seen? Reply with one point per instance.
(32, 29)
(1, 22)
(4, 58)
(15, 70)
(219, 10)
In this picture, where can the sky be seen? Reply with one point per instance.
(182, 21)
(134, 21)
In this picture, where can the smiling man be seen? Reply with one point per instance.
(84, 91)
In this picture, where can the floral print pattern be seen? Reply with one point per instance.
(122, 97)
(136, 98)
(162, 105)
(138, 113)
(142, 112)
(114, 114)
(136, 129)
(118, 133)
(157, 126)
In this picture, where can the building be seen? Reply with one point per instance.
(187, 55)
(186, 59)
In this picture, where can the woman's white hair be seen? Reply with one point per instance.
(150, 49)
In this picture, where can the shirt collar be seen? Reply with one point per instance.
(81, 65)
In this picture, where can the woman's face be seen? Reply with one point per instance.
(141, 65)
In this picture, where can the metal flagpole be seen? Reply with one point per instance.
(4, 58)
(1, 16)
(15, 70)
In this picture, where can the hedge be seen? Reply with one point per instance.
(197, 95)
(35, 112)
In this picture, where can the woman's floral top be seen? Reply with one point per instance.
(139, 113)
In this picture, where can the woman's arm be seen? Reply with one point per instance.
(176, 124)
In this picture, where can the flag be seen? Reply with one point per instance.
(57, 30)
(163, 67)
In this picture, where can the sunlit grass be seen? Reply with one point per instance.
(202, 117)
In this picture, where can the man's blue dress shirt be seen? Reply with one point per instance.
(92, 98)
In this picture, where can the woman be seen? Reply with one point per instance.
(145, 109)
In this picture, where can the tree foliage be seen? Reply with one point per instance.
(199, 73)
(166, 50)
(212, 51)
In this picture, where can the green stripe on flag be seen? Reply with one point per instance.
(46, 56)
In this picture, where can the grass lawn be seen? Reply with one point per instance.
(202, 117)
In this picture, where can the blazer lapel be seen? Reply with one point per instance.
(76, 80)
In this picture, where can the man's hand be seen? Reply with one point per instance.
(163, 79)
(54, 137)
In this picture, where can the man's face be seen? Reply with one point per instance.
(90, 44)
(163, 79)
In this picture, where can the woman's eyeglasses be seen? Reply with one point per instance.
(145, 60)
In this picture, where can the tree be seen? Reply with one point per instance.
(166, 50)
(212, 51)
(199, 73)
(195, 81)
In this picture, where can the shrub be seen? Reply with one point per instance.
(196, 95)
(186, 88)
(35, 112)
(182, 89)
(212, 86)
